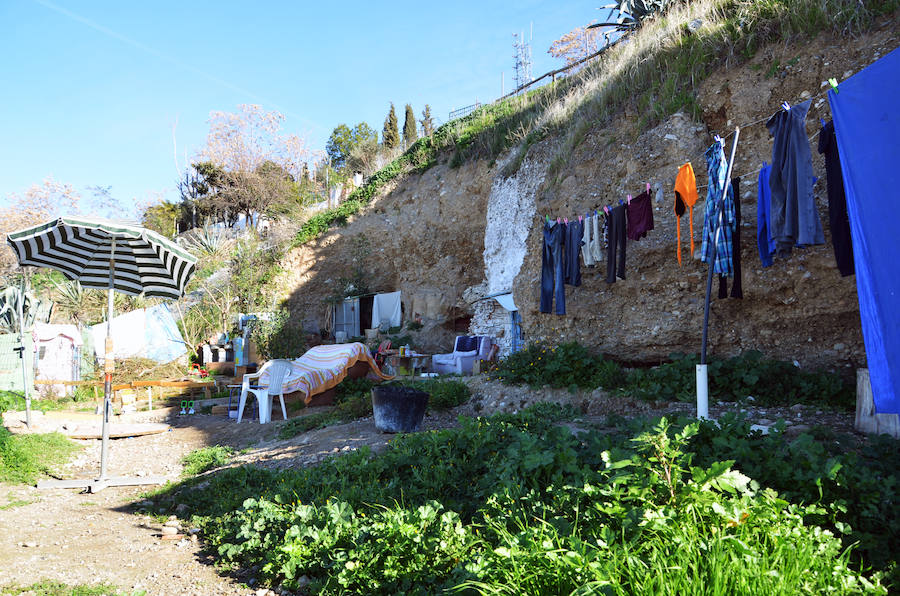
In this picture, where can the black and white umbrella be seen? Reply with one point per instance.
(108, 254)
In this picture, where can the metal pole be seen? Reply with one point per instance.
(22, 352)
(108, 367)
(702, 370)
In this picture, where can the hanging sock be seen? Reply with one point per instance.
(685, 197)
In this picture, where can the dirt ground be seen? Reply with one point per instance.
(82, 538)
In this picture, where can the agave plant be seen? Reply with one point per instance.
(15, 300)
(207, 241)
(78, 303)
(632, 13)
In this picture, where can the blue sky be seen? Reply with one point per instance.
(91, 90)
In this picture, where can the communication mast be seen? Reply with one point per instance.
(522, 56)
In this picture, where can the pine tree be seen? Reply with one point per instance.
(390, 136)
(427, 121)
(409, 127)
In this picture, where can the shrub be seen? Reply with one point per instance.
(443, 393)
(568, 365)
(770, 382)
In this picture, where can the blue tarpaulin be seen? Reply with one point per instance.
(867, 125)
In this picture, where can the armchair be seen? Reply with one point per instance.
(265, 394)
(466, 350)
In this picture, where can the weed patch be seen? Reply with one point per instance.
(206, 458)
(25, 458)
(517, 504)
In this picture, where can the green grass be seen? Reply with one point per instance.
(55, 588)
(13, 502)
(25, 458)
(516, 504)
(206, 458)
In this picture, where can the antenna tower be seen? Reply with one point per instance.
(522, 57)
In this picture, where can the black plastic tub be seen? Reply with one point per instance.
(398, 409)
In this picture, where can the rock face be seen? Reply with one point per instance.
(449, 239)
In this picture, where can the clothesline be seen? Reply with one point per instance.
(757, 170)
(761, 120)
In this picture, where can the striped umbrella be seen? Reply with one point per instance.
(96, 252)
(114, 255)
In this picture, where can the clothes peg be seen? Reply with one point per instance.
(648, 187)
(606, 209)
(628, 199)
(621, 202)
(558, 220)
(833, 82)
(786, 106)
(548, 218)
(579, 218)
(566, 220)
(717, 139)
(822, 121)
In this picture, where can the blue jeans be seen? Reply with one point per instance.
(552, 269)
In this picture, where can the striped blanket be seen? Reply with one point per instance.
(324, 367)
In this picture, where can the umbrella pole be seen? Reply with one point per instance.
(22, 353)
(108, 367)
(702, 368)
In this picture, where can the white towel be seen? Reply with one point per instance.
(386, 306)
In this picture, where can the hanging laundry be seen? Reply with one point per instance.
(837, 201)
(717, 166)
(615, 226)
(685, 198)
(600, 241)
(737, 290)
(764, 240)
(794, 218)
(640, 216)
(552, 269)
(587, 253)
(571, 265)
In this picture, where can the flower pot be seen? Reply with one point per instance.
(398, 409)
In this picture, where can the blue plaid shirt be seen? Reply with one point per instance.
(717, 166)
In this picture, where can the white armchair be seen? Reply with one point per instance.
(265, 394)
(466, 349)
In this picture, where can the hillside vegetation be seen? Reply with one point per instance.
(658, 69)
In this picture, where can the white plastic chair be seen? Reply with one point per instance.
(265, 394)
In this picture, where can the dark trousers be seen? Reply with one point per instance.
(737, 290)
(615, 239)
(571, 264)
(552, 269)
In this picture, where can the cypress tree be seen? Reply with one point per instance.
(427, 121)
(409, 127)
(390, 136)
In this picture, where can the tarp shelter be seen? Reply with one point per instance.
(867, 125)
(58, 351)
(11, 364)
(147, 332)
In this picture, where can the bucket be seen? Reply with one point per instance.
(371, 333)
(398, 409)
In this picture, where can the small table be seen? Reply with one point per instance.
(412, 363)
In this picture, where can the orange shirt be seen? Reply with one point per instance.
(685, 195)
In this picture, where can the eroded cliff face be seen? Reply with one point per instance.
(451, 238)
